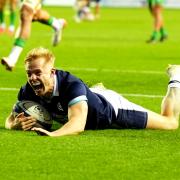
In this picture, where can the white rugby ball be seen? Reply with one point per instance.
(31, 108)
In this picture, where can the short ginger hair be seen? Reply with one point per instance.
(40, 52)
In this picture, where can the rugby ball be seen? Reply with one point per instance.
(31, 108)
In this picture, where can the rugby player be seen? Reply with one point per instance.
(97, 8)
(156, 8)
(83, 11)
(12, 8)
(64, 95)
(31, 11)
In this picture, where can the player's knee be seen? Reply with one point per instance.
(35, 17)
(26, 14)
(40, 14)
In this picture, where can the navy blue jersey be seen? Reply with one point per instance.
(100, 112)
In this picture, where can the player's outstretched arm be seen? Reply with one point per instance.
(77, 115)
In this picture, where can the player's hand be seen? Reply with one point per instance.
(17, 123)
(41, 131)
(26, 123)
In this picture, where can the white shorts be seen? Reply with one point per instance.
(117, 101)
(128, 114)
(33, 4)
(81, 3)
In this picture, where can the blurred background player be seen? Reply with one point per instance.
(96, 8)
(12, 7)
(156, 8)
(31, 11)
(83, 11)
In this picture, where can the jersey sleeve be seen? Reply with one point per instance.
(76, 92)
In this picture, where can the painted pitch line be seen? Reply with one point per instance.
(114, 70)
(107, 70)
(143, 95)
(130, 95)
(8, 89)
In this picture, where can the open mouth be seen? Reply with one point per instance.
(37, 86)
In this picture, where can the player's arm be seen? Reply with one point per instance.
(77, 116)
(19, 122)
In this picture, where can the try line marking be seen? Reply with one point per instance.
(123, 94)
(107, 70)
(112, 70)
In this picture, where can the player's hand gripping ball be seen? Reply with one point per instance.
(35, 110)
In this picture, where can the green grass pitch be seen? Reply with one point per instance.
(111, 50)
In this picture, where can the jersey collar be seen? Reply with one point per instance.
(55, 90)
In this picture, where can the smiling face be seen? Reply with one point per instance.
(40, 74)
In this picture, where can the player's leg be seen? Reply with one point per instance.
(57, 24)
(97, 9)
(166, 122)
(13, 5)
(158, 19)
(77, 7)
(149, 2)
(133, 116)
(2, 22)
(162, 30)
(169, 118)
(130, 115)
(19, 43)
(156, 16)
(156, 9)
(88, 15)
(82, 10)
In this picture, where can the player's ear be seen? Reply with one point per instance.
(53, 71)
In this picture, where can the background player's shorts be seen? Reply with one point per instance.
(81, 3)
(128, 114)
(155, 2)
(33, 4)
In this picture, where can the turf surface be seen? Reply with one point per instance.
(111, 50)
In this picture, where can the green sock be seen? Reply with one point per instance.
(150, 5)
(20, 42)
(154, 35)
(163, 32)
(48, 22)
(1, 17)
(12, 18)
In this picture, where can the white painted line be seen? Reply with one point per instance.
(143, 95)
(113, 70)
(8, 89)
(130, 95)
(107, 70)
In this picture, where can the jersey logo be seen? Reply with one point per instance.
(59, 106)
